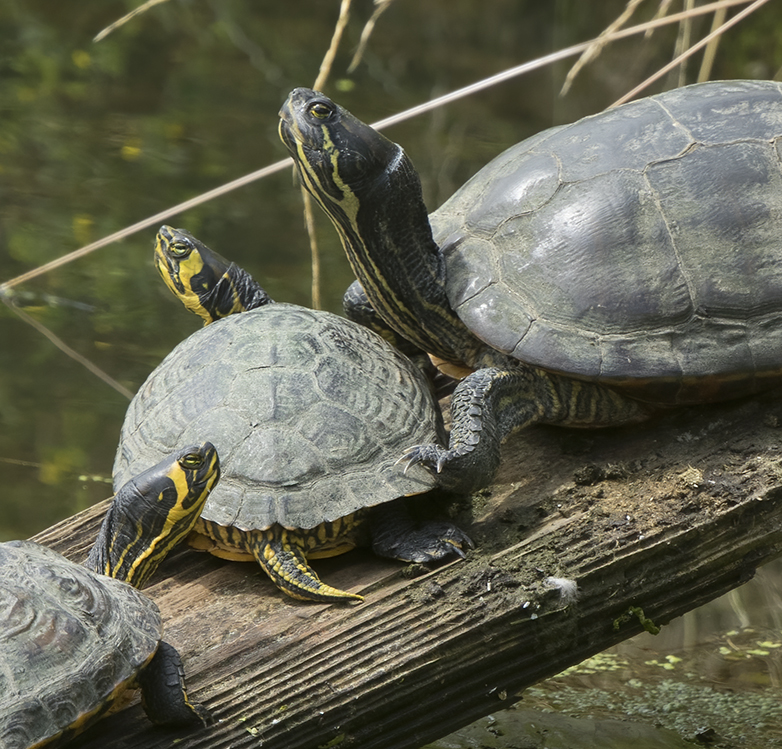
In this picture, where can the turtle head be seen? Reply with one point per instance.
(153, 512)
(190, 270)
(340, 159)
(205, 282)
(370, 190)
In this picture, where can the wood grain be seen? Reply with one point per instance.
(649, 521)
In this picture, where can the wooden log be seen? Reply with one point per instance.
(649, 522)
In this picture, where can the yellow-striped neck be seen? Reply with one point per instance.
(152, 513)
(384, 227)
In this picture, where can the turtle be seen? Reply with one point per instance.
(74, 638)
(588, 276)
(309, 412)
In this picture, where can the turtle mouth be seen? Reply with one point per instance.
(307, 150)
(295, 133)
(286, 131)
(290, 117)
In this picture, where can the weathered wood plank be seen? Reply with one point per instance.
(662, 517)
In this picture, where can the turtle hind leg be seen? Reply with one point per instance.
(285, 563)
(163, 693)
(396, 535)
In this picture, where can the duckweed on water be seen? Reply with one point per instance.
(598, 663)
(747, 720)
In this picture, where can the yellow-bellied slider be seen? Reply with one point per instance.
(74, 638)
(310, 414)
(631, 258)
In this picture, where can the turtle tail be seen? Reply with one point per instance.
(285, 563)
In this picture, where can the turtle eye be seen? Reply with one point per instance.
(191, 460)
(180, 249)
(320, 110)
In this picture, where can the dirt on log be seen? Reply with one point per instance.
(648, 521)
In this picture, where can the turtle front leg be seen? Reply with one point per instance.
(163, 694)
(491, 403)
(284, 561)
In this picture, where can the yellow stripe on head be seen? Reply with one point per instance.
(192, 478)
(369, 189)
(155, 511)
(191, 271)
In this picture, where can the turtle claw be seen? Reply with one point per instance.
(458, 551)
(442, 460)
(409, 459)
(448, 541)
(432, 457)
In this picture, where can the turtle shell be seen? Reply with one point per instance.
(641, 247)
(309, 413)
(70, 641)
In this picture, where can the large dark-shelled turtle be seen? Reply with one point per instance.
(74, 638)
(310, 414)
(632, 259)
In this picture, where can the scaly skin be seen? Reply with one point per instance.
(383, 226)
(491, 403)
(359, 309)
(166, 502)
(212, 288)
(369, 189)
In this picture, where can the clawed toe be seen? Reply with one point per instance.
(457, 550)
(441, 461)
(445, 540)
(411, 457)
(432, 457)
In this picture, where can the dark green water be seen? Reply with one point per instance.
(97, 136)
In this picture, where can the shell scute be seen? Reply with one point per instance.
(658, 257)
(69, 641)
(297, 400)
